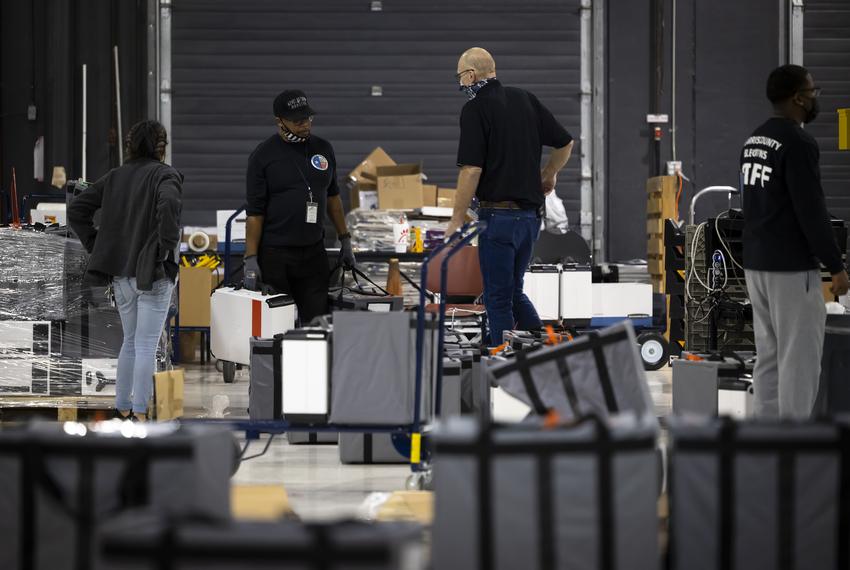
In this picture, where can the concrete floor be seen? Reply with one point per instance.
(319, 486)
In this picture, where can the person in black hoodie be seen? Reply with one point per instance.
(135, 247)
(787, 233)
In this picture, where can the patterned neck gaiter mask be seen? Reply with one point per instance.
(472, 90)
(289, 136)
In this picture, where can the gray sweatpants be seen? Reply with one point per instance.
(789, 316)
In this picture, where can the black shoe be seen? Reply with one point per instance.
(120, 416)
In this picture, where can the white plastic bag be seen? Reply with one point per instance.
(556, 220)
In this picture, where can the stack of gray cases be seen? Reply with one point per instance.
(374, 372)
(265, 391)
(712, 388)
(759, 495)
(521, 497)
(58, 492)
(147, 541)
(374, 368)
(834, 390)
(597, 373)
(374, 448)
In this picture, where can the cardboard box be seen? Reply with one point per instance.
(259, 502)
(196, 285)
(429, 195)
(364, 196)
(400, 187)
(417, 506)
(446, 197)
(368, 168)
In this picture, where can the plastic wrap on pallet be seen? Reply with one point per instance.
(41, 275)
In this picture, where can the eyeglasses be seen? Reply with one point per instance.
(816, 91)
(303, 121)
(459, 75)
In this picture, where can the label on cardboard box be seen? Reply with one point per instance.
(368, 199)
(400, 187)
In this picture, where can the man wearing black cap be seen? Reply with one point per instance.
(291, 180)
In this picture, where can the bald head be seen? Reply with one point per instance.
(479, 60)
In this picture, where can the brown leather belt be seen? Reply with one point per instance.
(506, 205)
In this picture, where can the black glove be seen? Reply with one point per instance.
(346, 255)
(252, 276)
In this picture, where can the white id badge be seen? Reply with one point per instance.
(312, 212)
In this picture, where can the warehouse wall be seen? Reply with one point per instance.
(230, 59)
(43, 44)
(826, 53)
(725, 49)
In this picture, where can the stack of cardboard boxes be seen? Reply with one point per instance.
(379, 183)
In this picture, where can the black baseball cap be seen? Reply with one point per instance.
(292, 105)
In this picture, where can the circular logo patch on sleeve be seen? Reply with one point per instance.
(319, 162)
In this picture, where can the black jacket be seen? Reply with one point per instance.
(139, 221)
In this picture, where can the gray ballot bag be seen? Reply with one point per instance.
(596, 373)
(148, 541)
(374, 368)
(759, 495)
(580, 496)
(60, 484)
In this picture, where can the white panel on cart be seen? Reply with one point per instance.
(305, 376)
(237, 226)
(238, 314)
(543, 289)
(735, 403)
(622, 299)
(576, 294)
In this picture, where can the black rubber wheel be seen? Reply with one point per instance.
(229, 371)
(654, 350)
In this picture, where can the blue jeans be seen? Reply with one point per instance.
(143, 315)
(504, 252)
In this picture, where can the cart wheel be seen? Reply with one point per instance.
(419, 481)
(654, 350)
(229, 371)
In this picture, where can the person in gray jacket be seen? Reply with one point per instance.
(135, 247)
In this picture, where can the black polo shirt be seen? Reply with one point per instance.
(279, 174)
(503, 131)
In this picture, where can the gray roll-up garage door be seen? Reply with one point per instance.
(826, 53)
(230, 59)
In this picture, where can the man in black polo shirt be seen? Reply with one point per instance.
(502, 134)
(291, 181)
(786, 232)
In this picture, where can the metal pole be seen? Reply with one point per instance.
(796, 40)
(165, 73)
(118, 103)
(586, 121)
(84, 122)
(152, 110)
(599, 138)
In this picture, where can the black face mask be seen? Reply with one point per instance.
(812, 112)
